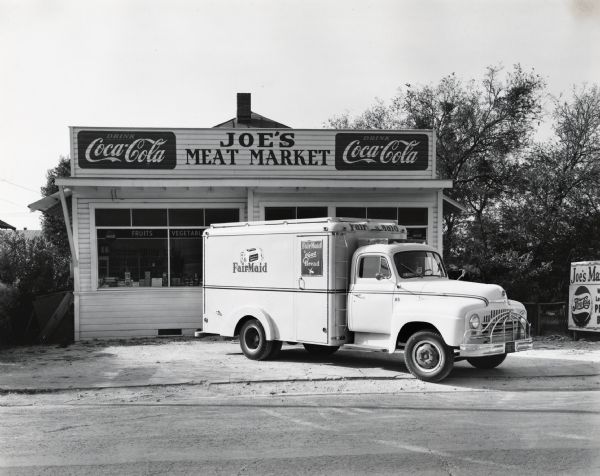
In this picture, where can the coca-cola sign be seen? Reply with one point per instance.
(381, 151)
(126, 150)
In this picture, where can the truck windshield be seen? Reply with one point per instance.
(416, 264)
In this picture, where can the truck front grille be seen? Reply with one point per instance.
(500, 325)
(504, 325)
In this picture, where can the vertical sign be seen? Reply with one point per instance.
(311, 256)
(584, 296)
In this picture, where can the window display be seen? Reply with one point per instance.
(140, 248)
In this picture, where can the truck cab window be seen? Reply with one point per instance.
(370, 267)
(417, 264)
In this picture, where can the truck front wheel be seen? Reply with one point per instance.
(254, 343)
(428, 357)
(487, 362)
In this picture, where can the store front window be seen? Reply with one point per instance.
(293, 213)
(153, 247)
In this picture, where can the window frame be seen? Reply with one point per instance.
(332, 205)
(166, 204)
(304, 205)
(437, 256)
(358, 279)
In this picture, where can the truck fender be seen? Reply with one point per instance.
(236, 316)
(450, 327)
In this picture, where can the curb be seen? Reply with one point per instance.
(191, 383)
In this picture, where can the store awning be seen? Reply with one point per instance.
(304, 182)
(452, 206)
(48, 203)
(6, 226)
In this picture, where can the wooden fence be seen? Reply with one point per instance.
(547, 317)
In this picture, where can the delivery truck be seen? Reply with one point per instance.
(332, 282)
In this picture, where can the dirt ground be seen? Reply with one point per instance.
(182, 368)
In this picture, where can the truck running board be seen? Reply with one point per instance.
(369, 348)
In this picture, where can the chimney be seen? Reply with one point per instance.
(243, 107)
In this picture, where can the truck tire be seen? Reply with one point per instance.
(254, 343)
(487, 362)
(321, 350)
(428, 357)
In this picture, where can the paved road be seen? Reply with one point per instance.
(485, 432)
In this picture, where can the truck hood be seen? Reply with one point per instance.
(491, 292)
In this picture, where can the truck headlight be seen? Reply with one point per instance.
(474, 321)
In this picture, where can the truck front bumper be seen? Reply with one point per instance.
(481, 350)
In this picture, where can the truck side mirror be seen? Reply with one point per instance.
(455, 273)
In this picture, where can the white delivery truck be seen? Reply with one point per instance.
(332, 282)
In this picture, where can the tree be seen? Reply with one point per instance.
(480, 130)
(53, 223)
(555, 211)
(33, 266)
(28, 267)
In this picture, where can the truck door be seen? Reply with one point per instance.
(311, 296)
(371, 295)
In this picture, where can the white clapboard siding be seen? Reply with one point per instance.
(106, 313)
(126, 334)
(117, 313)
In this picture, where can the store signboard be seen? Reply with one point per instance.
(138, 150)
(246, 152)
(584, 296)
(368, 151)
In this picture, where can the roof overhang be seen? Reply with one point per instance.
(358, 183)
(47, 203)
(6, 226)
(452, 206)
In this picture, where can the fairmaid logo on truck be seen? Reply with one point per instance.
(352, 283)
(251, 261)
(311, 257)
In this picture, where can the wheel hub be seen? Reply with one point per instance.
(252, 339)
(427, 356)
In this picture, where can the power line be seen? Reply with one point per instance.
(20, 186)
(13, 203)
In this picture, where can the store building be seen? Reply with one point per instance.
(142, 197)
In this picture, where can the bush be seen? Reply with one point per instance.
(28, 267)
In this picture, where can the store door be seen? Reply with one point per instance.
(311, 296)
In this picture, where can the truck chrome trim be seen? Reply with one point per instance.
(501, 327)
(281, 290)
(481, 350)
(467, 296)
(420, 293)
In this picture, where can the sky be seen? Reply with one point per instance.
(180, 63)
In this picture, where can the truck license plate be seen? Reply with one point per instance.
(509, 347)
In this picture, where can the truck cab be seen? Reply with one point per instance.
(400, 298)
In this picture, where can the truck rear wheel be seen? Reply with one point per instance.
(487, 362)
(428, 357)
(320, 350)
(254, 343)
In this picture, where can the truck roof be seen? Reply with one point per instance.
(306, 225)
(394, 248)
